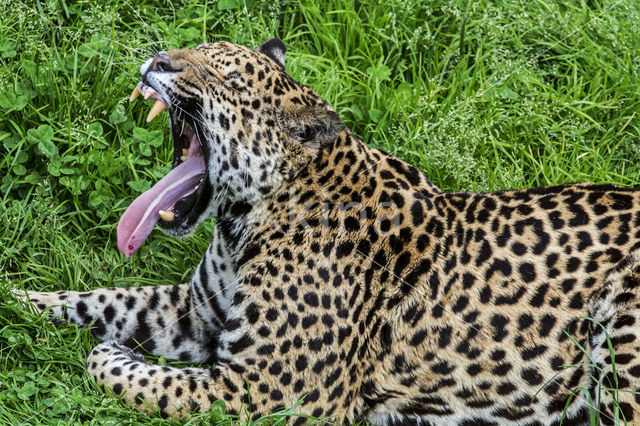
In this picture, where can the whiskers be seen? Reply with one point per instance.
(245, 174)
(140, 52)
(156, 37)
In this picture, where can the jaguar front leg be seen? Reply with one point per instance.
(159, 319)
(178, 321)
(164, 391)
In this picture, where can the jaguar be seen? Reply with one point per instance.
(340, 276)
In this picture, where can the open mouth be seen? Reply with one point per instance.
(170, 202)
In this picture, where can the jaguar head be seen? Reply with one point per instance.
(241, 128)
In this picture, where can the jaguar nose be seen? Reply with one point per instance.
(160, 62)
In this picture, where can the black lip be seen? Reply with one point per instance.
(180, 142)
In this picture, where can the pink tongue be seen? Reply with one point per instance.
(138, 221)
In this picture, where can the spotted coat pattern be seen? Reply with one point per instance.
(340, 274)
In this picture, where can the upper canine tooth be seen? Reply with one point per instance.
(156, 109)
(166, 216)
(134, 94)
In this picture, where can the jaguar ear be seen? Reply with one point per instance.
(313, 126)
(275, 49)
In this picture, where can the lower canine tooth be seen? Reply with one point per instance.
(166, 216)
(156, 109)
(184, 158)
(134, 94)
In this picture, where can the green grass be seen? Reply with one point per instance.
(478, 95)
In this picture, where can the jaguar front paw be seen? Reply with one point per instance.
(52, 304)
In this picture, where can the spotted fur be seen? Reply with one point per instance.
(341, 275)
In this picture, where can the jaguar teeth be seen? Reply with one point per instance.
(148, 94)
(185, 154)
(156, 109)
(134, 94)
(166, 216)
(199, 183)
